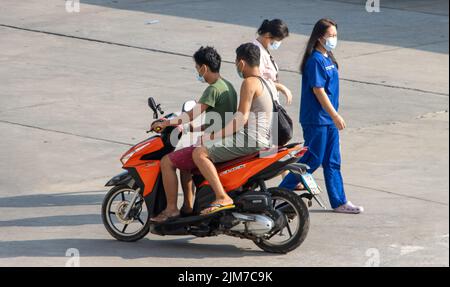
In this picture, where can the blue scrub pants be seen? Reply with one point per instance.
(323, 149)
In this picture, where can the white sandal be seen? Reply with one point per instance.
(349, 208)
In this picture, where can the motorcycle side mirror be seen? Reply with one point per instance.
(155, 107)
(152, 104)
(189, 105)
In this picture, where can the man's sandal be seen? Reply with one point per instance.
(216, 207)
(163, 217)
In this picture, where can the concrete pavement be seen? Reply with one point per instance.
(73, 90)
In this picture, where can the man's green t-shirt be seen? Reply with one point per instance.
(221, 98)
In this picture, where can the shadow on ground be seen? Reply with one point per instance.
(53, 200)
(301, 16)
(168, 248)
(59, 199)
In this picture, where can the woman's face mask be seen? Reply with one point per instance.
(330, 43)
(275, 45)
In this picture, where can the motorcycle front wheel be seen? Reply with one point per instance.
(136, 225)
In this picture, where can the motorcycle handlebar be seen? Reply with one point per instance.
(158, 129)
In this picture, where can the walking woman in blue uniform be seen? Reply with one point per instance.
(319, 116)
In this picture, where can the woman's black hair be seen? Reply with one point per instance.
(276, 28)
(250, 53)
(319, 30)
(208, 56)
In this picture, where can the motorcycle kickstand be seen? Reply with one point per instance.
(319, 200)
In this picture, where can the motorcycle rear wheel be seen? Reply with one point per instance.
(300, 214)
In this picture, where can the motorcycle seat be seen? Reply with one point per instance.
(225, 165)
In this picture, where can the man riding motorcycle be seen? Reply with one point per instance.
(217, 100)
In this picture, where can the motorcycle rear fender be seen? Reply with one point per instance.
(297, 168)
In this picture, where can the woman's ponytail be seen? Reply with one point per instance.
(276, 28)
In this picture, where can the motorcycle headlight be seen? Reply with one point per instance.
(126, 157)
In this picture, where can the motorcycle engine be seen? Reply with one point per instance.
(253, 202)
(255, 224)
(250, 218)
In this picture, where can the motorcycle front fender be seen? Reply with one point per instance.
(123, 178)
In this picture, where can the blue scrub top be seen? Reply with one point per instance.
(320, 72)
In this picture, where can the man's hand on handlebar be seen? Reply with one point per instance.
(159, 126)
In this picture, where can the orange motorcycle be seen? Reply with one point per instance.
(275, 219)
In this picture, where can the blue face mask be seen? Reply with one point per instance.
(201, 78)
(330, 43)
(275, 45)
(241, 75)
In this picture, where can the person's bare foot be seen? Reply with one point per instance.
(223, 201)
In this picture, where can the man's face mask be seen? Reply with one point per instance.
(201, 78)
(239, 72)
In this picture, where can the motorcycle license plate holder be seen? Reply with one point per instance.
(310, 183)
